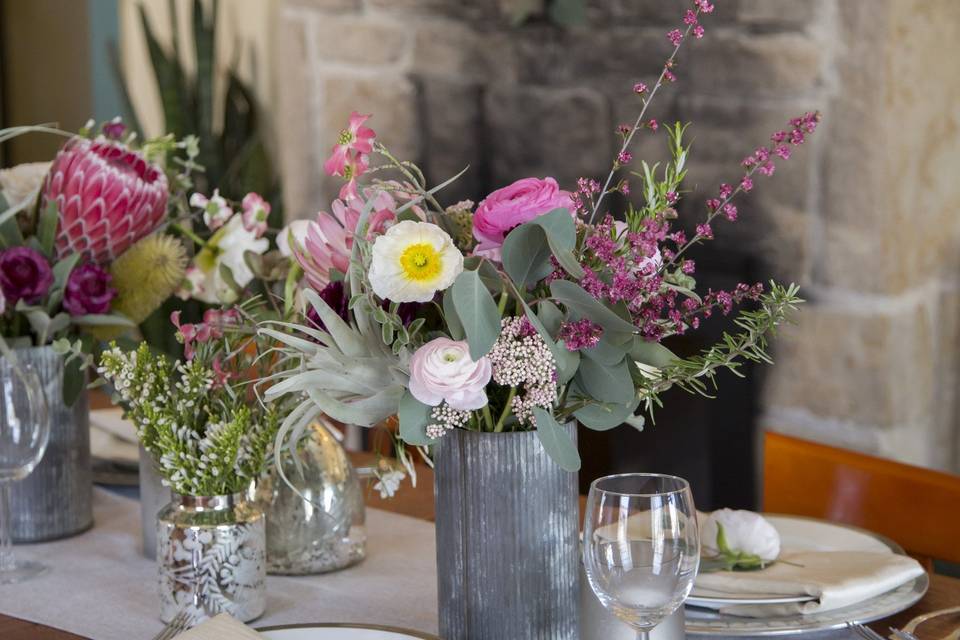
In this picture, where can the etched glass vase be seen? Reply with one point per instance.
(212, 557)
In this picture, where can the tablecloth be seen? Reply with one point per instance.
(99, 586)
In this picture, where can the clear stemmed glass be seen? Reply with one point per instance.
(641, 546)
(24, 431)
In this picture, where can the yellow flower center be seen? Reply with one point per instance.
(345, 137)
(420, 262)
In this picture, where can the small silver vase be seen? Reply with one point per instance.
(323, 529)
(211, 552)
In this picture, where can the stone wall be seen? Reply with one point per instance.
(864, 217)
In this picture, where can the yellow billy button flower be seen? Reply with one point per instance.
(412, 261)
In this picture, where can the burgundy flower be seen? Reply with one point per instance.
(24, 275)
(88, 291)
(335, 295)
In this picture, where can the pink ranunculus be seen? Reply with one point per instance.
(88, 290)
(510, 207)
(108, 195)
(441, 370)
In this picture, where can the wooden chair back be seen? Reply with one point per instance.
(918, 508)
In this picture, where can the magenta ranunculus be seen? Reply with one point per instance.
(24, 275)
(510, 207)
(88, 291)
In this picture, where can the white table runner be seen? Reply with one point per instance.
(99, 585)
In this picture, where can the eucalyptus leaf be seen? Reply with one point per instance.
(551, 317)
(414, 417)
(580, 303)
(605, 352)
(606, 383)
(526, 255)
(651, 353)
(556, 441)
(74, 380)
(601, 416)
(477, 312)
(103, 320)
(567, 362)
(450, 315)
(487, 272)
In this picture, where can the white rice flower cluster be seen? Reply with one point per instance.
(444, 419)
(521, 359)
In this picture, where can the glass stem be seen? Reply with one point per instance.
(6, 539)
(643, 634)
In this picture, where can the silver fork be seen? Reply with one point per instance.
(864, 631)
(180, 623)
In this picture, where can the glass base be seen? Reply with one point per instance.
(20, 571)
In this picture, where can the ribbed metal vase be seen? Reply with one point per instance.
(507, 539)
(56, 500)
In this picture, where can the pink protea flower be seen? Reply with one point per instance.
(328, 242)
(108, 197)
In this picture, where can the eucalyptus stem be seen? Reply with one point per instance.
(487, 417)
(507, 408)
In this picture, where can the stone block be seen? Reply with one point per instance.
(534, 131)
(785, 13)
(474, 10)
(871, 365)
(453, 139)
(324, 5)
(728, 62)
(300, 169)
(359, 40)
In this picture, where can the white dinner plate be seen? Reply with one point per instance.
(346, 631)
(807, 534)
(798, 534)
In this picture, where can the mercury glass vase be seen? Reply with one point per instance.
(211, 553)
(507, 539)
(56, 500)
(321, 528)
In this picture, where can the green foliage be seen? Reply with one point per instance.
(477, 312)
(414, 417)
(528, 248)
(556, 441)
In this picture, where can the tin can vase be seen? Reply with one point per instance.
(320, 529)
(507, 539)
(56, 500)
(211, 553)
(154, 496)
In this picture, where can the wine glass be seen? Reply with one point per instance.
(641, 546)
(24, 431)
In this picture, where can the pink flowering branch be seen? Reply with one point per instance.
(761, 161)
(676, 37)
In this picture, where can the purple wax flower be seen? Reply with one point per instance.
(88, 291)
(24, 275)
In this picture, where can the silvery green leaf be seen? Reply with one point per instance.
(477, 312)
(636, 421)
(450, 316)
(606, 383)
(551, 317)
(651, 353)
(320, 336)
(605, 352)
(291, 340)
(556, 441)
(345, 337)
(601, 416)
(103, 320)
(387, 333)
(579, 302)
(487, 272)
(414, 417)
(526, 255)
(567, 361)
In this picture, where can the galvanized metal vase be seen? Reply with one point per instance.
(154, 496)
(211, 552)
(322, 528)
(507, 539)
(56, 500)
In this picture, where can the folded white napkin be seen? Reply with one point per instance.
(112, 437)
(835, 578)
(222, 627)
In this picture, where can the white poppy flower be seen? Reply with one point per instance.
(412, 261)
(732, 534)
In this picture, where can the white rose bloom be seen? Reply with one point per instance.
(23, 180)
(745, 532)
(412, 261)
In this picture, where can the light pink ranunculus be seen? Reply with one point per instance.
(511, 206)
(442, 370)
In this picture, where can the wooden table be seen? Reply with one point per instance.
(418, 502)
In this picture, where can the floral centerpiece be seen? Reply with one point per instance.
(83, 256)
(535, 308)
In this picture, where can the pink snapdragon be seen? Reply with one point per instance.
(442, 371)
(513, 205)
